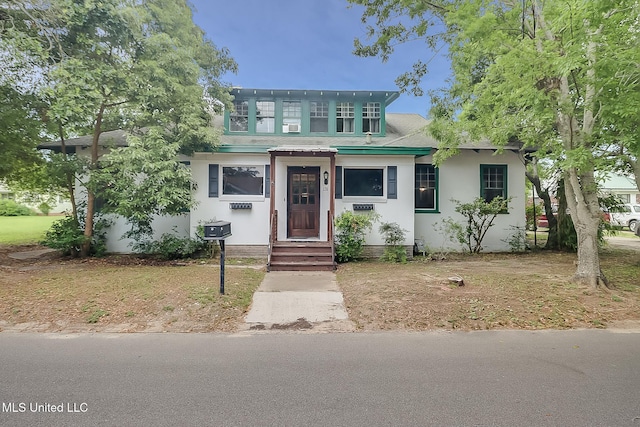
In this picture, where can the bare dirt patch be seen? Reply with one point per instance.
(501, 291)
(131, 294)
(121, 294)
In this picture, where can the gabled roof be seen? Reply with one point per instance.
(115, 137)
(405, 132)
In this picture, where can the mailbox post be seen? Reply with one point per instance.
(219, 231)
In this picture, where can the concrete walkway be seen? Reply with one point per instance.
(298, 300)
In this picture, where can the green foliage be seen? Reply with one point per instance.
(12, 208)
(531, 220)
(558, 77)
(351, 229)
(170, 246)
(479, 216)
(517, 240)
(44, 207)
(97, 315)
(394, 235)
(116, 64)
(65, 235)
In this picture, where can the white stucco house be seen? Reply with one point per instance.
(290, 161)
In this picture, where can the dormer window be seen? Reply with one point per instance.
(291, 116)
(371, 117)
(239, 118)
(265, 116)
(345, 117)
(319, 116)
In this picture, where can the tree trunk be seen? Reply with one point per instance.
(586, 219)
(85, 249)
(534, 178)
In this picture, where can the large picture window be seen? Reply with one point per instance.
(493, 182)
(371, 117)
(426, 187)
(265, 116)
(363, 182)
(345, 117)
(239, 117)
(243, 180)
(319, 116)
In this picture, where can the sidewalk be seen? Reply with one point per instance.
(298, 300)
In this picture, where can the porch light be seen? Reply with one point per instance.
(326, 177)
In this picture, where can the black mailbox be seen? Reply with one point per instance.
(217, 230)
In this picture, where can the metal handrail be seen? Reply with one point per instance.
(272, 237)
(330, 229)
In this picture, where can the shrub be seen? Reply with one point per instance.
(171, 246)
(65, 235)
(11, 208)
(394, 250)
(350, 231)
(45, 208)
(479, 216)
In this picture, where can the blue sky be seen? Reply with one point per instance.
(307, 44)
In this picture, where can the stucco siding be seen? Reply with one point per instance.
(248, 226)
(459, 179)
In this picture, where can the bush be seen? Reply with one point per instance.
(350, 231)
(45, 208)
(11, 208)
(394, 250)
(65, 235)
(171, 246)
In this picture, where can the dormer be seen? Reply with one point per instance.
(308, 112)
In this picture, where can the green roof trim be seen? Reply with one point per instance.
(345, 150)
(363, 150)
(259, 149)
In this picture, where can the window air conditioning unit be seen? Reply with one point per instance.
(294, 127)
(285, 128)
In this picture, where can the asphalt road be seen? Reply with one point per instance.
(508, 378)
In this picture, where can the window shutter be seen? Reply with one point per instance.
(338, 182)
(213, 180)
(392, 182)
(267, 181)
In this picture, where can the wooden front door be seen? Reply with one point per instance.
(303, 202)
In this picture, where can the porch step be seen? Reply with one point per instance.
(301, 256)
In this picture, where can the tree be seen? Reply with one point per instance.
(559, 76)
(138, 65)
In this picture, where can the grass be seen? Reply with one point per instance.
(96, 295)
(519, 291)
(24, 230)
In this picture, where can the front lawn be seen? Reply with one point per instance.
(24, 230)
(501, 291)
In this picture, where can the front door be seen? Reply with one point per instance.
(303, 202)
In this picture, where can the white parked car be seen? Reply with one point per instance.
(627, 216)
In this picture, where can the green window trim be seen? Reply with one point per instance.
(340, 117)
(493, 181)
(424, 174)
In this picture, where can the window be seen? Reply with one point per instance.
(239, 118)
(624, 198)
(493, 181)
(345, 117)
(371, 117)
(425, 187)
(292, 113)
(319, 115)
(243, 180)
(363, 182)
(265, 116)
